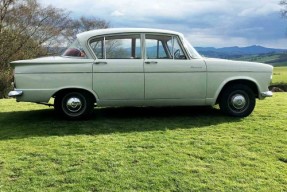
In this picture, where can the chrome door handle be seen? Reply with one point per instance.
(100, 62)
(150, 62)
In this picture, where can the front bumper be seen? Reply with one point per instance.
(266, 94)
(15, 93)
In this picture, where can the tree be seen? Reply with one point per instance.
(26, 21)
(28, 30)
(83, 24)
(24, 27)
(283, 3)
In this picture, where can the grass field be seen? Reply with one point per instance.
(279, 75)
(144, 149)
(260, 58)
(275, 59)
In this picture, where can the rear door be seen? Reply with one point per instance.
(118, 69)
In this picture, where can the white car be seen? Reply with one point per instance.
(138, 67)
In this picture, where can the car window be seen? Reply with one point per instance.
(163, 47)
(97, 46)
(157, 47)
(75, 50)
(117, 47)
(177, 50)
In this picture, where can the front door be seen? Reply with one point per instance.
(169, 73)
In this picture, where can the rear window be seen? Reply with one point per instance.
(75, 50)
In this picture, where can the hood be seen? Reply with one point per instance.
(238, 66)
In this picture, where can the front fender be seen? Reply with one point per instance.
(215, 87)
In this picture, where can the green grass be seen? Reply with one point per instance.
(144, 149)
(275, 59)
(260, 58)
(279, 75)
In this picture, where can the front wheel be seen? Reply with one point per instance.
(74, 105)
(237, 101)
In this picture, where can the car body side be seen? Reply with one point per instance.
(43, 78)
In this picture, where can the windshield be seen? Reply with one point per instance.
(75, 50)
(191, 50)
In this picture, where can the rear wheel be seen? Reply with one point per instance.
(237, 100)
(74, 105)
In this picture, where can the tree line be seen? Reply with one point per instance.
(28, 30)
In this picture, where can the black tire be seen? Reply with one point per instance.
(237, 101)
(74, 105)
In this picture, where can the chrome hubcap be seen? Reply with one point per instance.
(238, 101)
(74, 104)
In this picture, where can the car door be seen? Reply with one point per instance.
(118, 69)
(169, 73)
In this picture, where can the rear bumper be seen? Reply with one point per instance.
(15, 93)
(266, 94)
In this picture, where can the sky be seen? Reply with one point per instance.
(205, 23)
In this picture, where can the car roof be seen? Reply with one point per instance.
(98, 32)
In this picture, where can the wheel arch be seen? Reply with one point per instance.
(70, 89)
(248, 82)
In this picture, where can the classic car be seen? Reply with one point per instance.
(138, 67)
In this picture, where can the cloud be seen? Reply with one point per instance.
(206, 22)
(117, 13)
(262, 10)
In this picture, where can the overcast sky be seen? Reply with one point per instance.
(208, 23)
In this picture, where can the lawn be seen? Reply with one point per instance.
(144, 149)
(275, 59)
(279, 75)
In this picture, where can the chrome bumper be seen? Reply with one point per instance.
(266, 94)
(15, 93)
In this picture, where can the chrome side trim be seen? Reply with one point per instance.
(266, 94)
(15, 93)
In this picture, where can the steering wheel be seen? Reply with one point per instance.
(177, 54)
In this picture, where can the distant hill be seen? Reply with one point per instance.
(275, 59)
(235, 52)
(255, 53)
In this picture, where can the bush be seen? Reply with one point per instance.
(278, 87)
(5, 82)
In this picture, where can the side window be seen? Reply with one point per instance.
(97, 46)
(117, 47)
(157, 47)
(163, 47)
(75, 50)
(177, 50)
